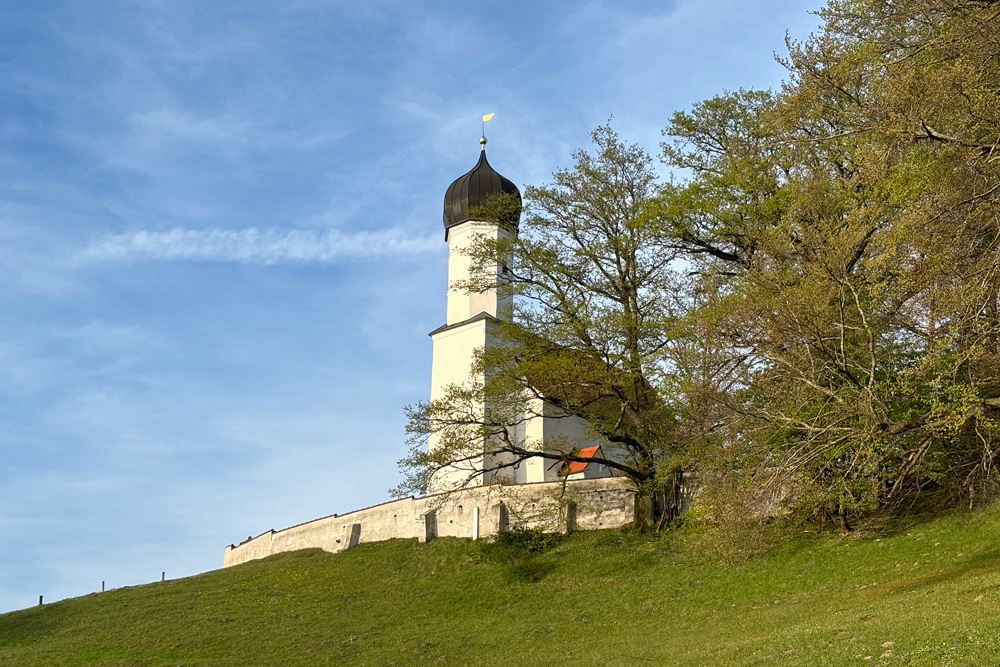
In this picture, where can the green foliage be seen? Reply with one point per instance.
(844, 232)
(519, 541)
(813, 304)
(519, 550)
(590, 330)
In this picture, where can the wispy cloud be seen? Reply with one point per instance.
(256, 246)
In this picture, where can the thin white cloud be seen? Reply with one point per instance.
(256, 246)
(174, 124)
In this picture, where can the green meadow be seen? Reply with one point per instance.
(925, 595)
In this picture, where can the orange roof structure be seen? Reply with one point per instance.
(570, 467)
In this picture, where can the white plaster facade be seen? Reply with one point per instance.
(469, 323)
(556, 429)
(461, 304)
(471, 318)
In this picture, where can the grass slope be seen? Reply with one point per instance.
(930, 596)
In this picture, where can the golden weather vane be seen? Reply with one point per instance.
(482, 139)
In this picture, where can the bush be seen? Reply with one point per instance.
(518, 550)
(521, 540)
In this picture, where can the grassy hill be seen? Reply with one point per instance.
(926, 596)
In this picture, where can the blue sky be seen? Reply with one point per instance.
(221, 246)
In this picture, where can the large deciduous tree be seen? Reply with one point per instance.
(850, 224)
(593, 284)
(813, 307)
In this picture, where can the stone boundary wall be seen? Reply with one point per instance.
(481, 511)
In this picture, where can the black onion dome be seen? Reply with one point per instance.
(472, 189)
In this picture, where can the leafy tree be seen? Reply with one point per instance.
(590, 333)
(813, 308)
(849, 225)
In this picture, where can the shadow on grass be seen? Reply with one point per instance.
(524, 553)
(982, 563)
(903, 517)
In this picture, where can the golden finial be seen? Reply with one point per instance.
(482, 139)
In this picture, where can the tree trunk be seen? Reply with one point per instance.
(845, 528)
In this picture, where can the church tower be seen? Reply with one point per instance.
(470, 317)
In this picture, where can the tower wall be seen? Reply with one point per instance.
(470, 318)
(453, 351)
(463, 305)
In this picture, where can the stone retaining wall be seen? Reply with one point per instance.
(475, 512)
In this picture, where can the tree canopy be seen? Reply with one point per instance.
(592, 276)
(811, 304)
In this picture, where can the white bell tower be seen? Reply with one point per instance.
(471, 317)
